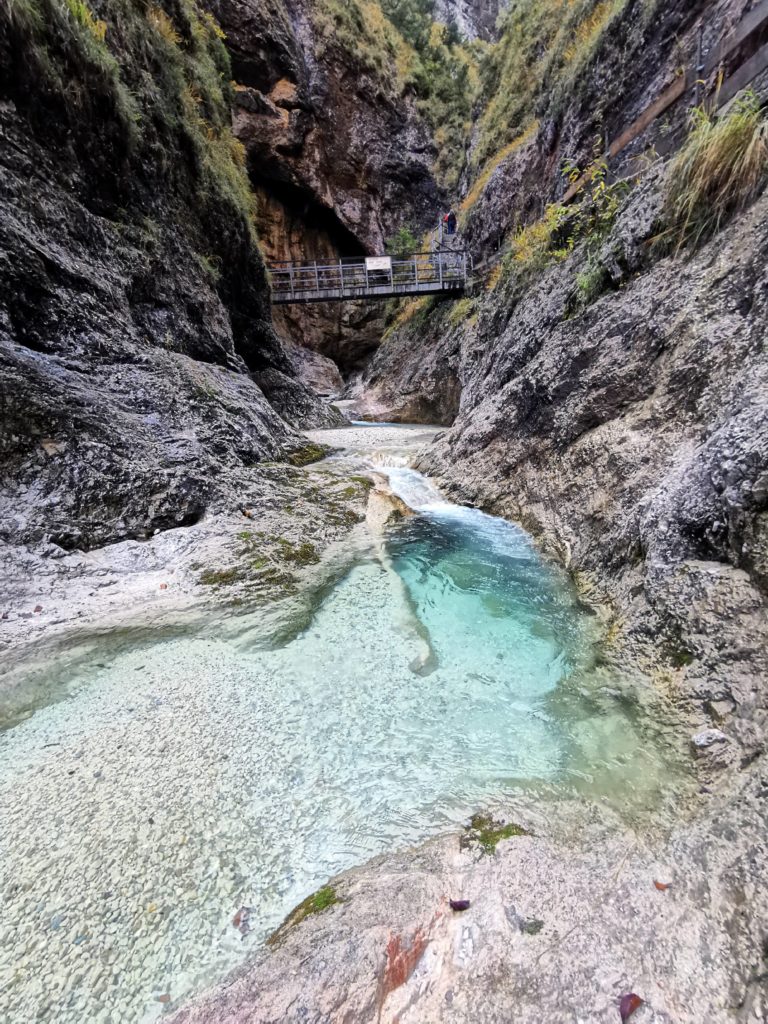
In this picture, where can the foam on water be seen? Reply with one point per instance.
(186, 778)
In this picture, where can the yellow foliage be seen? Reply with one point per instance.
(407, 312)
(493, 278)
(82, 13)
(479, 185)
(160, 21)
(588, 30)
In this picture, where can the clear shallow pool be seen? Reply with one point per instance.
(188, 777)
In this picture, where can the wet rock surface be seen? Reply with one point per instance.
(558, 926)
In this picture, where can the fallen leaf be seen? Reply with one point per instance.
(242, 920)
(163, 586)
(661, 886)
(459, 904)
(628, 1004)
(38, 607)
(164, 998)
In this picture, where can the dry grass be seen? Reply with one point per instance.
(409, 309)
(479, 186)
(588, 30)
(533, 247)
(722, 166)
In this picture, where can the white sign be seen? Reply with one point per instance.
(378, 263)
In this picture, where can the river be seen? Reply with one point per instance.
(187, 776)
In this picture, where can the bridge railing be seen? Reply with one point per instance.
(376, 277)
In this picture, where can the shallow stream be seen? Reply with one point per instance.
(449, 670)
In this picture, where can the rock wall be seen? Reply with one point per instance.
(475, 19)
(339, 156)
(137, 354)
(629, 433)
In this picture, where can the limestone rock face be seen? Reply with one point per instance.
(475, 19)
(558, 927)
(339, 157)
(134, 316)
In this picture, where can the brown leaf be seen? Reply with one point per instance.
(628, 1004)
(164, 998)
(242, 920)
(163, 586)
(661, 886)
(38, 607)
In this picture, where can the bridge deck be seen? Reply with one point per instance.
(378, 277)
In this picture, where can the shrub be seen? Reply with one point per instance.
(403, 244)
(536, 246)
(591, 283)
(722, 166)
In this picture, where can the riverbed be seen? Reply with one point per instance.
(163, 818)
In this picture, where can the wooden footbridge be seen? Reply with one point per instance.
(445, 272)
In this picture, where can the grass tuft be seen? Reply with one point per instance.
(722, 167)
(314, 904)
(488, 833)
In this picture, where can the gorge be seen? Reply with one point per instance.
(322, 621)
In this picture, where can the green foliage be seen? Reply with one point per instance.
(553, 238)
(314, 904)
(462, 309)
(540, 63)
(82, 13)
(598, 201)
(402, 244)
(307, 454)
(488, 833)
(360, 28)
(220, 577)
(722, 166)
(412, 19)
(537, 245)
(591, 283)
(448, 85)
(398, 42)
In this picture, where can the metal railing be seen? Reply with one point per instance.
(377, 277)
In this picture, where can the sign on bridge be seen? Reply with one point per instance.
(378, 263)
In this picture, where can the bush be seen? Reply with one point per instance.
(403, 244)
(722, 166)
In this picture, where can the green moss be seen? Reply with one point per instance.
(220, 577)
(299, 554)
(461, 310)
(591, 284)
(488, 833)
(314, 904)
(679, 656)
(532, 927)
(363, 481)
(146, 81)
(307, 454)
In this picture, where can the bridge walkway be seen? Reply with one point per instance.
(375, 277)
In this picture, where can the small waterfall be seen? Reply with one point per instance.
(415, 490)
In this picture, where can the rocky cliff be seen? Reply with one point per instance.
(337, 150)
(612, 400)
(475, 19)
(141, 374)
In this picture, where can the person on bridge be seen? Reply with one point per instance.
(450, 223)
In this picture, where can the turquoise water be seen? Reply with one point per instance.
(450, 670)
